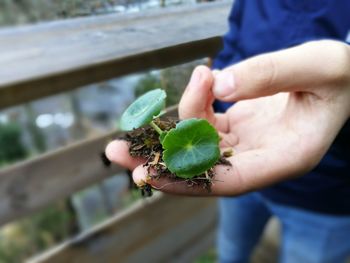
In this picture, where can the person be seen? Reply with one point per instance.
(286, 67)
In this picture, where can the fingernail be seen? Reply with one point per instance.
(195, 78)
(224, 84)
(140, 176)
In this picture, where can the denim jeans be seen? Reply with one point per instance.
(307, 237)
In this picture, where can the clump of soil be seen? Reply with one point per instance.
(144, 142)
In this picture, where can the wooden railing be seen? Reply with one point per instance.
(162, 229)
(45, 59)
(42, 60)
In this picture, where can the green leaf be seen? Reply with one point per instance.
(191, 148)
(162, 136)
(143, 109)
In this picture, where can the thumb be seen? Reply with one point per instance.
(301, 68)
(198, 97)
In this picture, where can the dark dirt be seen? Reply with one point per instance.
(144, 142)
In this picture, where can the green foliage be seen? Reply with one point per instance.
(143, 110)
(11, 146)
(173, 80)
(191, 148)
(147, 83)
(24, 238)
(209, 256)
(52, 224)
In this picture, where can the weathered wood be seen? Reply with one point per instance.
(33, 184)
(267, 250)
(199, 246)
(45, 59)
(161, 229)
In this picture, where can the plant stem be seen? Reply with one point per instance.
(155, 126)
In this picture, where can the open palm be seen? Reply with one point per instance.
(288, 113)
(274, 138)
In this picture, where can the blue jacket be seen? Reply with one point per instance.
(257, 26)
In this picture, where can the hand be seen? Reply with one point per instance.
(292, 103)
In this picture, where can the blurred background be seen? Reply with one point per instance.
(44, 125)
(48, 126)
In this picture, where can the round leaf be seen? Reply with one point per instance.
(191, 148)
(143, 109)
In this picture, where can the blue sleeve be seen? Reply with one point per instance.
(321, 19)
(224, 57)
(257, 27)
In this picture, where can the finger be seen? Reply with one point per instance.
(300, 68)
(221, 122)
(197, 99)
(223, 183)
(173, 186)
(118, 152)
(250, 171)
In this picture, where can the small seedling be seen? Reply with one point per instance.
(143, 110)
(189, 149)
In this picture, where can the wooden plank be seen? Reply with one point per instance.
(44, 59)
(199, 246)
(160, 229)
(30, 185)
(267, 250)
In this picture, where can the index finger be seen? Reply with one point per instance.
(118, 152)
